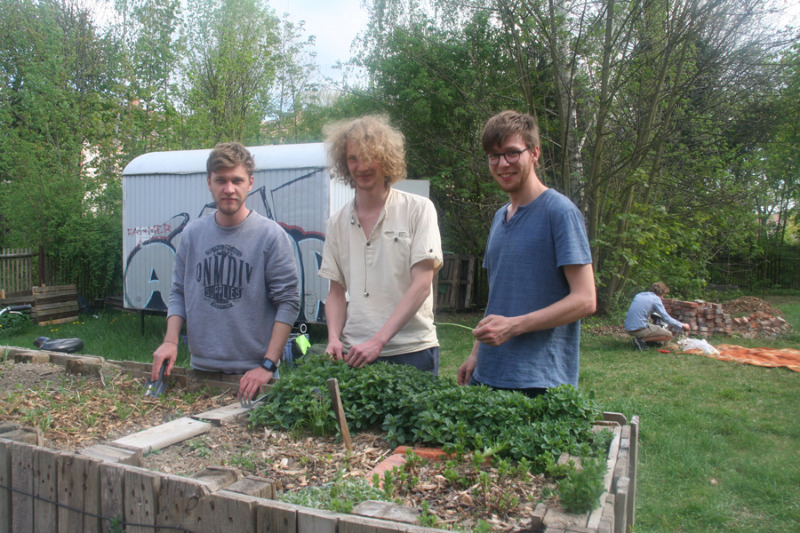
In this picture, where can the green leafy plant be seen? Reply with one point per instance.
(581, 488)
(13, 324)
(503, 428)
(340, 496)
(244, 460)
(200, 446)
(415, 407)
(426, 517)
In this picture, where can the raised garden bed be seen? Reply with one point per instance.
(215, 487)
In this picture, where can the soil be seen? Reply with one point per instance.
(75, 412)
(748, 305)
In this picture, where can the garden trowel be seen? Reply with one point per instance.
(158, 387)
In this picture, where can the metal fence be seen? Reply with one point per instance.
(777, 268)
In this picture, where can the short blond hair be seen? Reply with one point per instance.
(376, 140)
(229, 155)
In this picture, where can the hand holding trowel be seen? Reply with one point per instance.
(157, 387)
(163, 360)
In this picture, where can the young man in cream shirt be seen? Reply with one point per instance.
(381, 253)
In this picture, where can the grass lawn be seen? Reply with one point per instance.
(719, 440)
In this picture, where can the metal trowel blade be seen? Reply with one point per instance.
(158, 387)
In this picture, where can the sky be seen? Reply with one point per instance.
(335, 23)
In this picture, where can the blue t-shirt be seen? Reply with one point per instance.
(524, 259)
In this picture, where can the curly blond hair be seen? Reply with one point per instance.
(376, 140)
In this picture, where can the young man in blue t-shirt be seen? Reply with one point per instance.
(539, 265)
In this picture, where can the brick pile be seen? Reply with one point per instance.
(761, 325)
(704, 318)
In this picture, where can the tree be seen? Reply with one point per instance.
(148, 34)
(633, 99)
(296, 86)
(435, 82)
(233, 50)
(54, 105)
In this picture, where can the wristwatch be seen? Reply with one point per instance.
(269, 365)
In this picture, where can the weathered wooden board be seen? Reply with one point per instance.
(55, 291)
(254, 486)
(227, 511)
(111, 495)
(22, 484)
(621, 505)
(113, 454)
(140, 502)
(22, 355)
(55, 305)
(359, 524)
(276, 517)
(45, 469)
(161, 436)
(78, 488)
(316, 521)
(5, 481)
(632, 472)
(387, 511)
(180, 503)
(223, 415)
(63, 359)
(217, 477)
(613, 451)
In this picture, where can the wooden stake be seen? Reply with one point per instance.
(336, 403)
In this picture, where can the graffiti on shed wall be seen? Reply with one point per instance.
(148, 267)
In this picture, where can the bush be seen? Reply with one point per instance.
(581, 488)
(12, 324)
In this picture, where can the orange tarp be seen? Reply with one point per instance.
(771, 357)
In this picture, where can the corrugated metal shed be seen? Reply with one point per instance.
(163, 191)
(311, 155)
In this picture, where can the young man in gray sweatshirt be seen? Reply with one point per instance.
(234, 284)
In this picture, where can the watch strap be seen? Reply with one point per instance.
(269, 365)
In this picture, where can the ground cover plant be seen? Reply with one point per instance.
(412, 406)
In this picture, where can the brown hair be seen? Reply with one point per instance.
(501, 126)
(229, 155)
(376, 141)
(659, 288)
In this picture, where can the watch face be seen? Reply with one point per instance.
(269, 365)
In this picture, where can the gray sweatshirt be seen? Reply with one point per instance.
(230, 285)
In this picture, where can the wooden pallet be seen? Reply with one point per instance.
(55, 305)
(454, 283)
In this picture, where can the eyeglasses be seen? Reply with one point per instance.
(511, 157)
